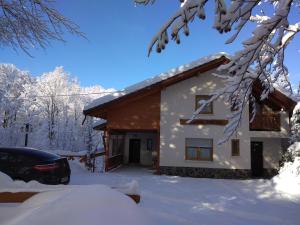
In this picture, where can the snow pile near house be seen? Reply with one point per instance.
(154, 80)
(131, 188)
(288, 179)
(5, 180)
(88, 204)
(9, 185)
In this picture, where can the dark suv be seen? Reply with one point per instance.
(31, 164)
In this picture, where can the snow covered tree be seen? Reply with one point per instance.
(13, 83)
(32, 23)
(46, 109)
(262, 56)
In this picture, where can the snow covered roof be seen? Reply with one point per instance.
(99, 122)
(153, 80)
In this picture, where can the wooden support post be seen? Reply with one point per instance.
(157, 152)
(106, 148)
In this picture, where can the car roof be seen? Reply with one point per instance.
(31, 152)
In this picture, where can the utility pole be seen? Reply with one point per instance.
(26, 133)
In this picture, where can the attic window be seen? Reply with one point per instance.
(208, 109)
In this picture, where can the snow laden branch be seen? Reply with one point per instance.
(261, 61)
(32, 23)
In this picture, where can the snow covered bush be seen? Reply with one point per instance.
(288, 178)
(262, 59)
(293, 152)
(295, 121)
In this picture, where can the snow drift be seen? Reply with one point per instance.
(87, 204)
(288, 179)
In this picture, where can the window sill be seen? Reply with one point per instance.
(197, 161)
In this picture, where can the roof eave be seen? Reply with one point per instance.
(211, 65)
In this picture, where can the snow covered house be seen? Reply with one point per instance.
(146, 124)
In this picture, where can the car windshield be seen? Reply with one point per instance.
(31, 153)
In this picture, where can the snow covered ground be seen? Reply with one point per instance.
(71, 205)
(172, 200)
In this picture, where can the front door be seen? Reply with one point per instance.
(257, 165)
(134, 150)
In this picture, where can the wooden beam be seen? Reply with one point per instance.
(276, 99)
(18, 197)
(217, 122)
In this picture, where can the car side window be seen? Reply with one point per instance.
(20, 159)
(13, 158)
(4, 157)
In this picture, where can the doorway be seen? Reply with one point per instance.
(134, 150)
(257, 164)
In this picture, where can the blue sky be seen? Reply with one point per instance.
(115, 54)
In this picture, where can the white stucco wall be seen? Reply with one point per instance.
(178, 102)
(271, 151)
(145, 155)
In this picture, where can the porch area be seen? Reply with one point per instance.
(131, 148)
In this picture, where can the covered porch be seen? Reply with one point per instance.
(131, 147)
(130, 126)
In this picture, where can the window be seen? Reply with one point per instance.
(199, 149)
(235, 147)
(117, 142)
(149, 144)
(208, 109)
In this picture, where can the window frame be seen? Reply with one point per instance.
(117, 145)
(149, 146)
(198, 149)
(204, 97)
(235, 143)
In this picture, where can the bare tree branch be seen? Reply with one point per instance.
(261, 59)
(29, 24)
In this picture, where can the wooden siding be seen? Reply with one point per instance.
(217, 122)
(141, 114)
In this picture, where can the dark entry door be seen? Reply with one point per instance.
(134, 150)
(257, 164)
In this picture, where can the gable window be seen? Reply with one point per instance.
(235, 147)
(199, 149)
(208, 109)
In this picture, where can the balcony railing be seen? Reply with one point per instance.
(114, 161)
(269, 122)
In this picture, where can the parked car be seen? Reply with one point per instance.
(30, 164)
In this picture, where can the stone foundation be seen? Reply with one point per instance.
(269, 173)
(212, 172)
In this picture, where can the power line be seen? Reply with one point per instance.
(64, 95)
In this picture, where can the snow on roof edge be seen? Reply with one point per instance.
(154, 79)
(99, 122)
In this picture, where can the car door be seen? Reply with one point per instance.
(21, 166)
(4, 163)
(13, 165)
